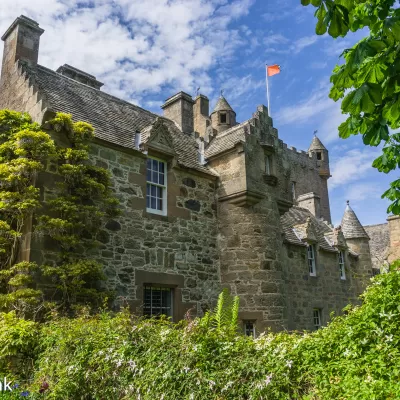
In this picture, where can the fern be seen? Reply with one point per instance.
(224, 318)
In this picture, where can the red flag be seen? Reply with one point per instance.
(273, 69)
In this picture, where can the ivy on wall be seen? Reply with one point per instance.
(80, 202)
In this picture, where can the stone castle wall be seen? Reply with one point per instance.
(178, 250)
(325, 291)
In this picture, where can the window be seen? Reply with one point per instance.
(156, 196)
(249, 328)
(157, 301)
(341, 265)
(375, 271)
(222, 118)
(311, 260)
(268, 165)
(293, 190)
(317, 318)
(319, 155)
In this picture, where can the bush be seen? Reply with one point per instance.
(119, 356)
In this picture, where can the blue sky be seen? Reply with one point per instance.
(145, 51)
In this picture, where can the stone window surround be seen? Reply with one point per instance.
(256, 317)
(161, 279)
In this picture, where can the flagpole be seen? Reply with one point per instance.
(266, 73)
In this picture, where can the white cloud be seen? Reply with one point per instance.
(351, 166)
(307, 108)
(325, 114)
(362, 191)
(302, 43)
(275, 39)
(135, 47)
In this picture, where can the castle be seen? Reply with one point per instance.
(207, 202)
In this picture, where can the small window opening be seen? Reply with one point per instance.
(319, 155)
(311, 260)
(157, 301)
(317, 318)
(249, 328)
(375, 271)
(222, 118)
(293, 190)
(341, 266)
(268, 169)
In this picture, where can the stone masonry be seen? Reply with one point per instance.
(239, 208)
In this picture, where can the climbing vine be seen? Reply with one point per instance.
(77, 202)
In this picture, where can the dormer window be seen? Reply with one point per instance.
(319, 156)
(156, 195)
(222, 118)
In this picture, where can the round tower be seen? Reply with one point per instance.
(357, 240)
(223, 117)
(319, 151)
(322, 156)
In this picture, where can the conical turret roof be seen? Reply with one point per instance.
(316, 144)
(351, 226)
(222, 105)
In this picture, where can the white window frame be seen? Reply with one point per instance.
(317, 318)
(342, 264)
(268, 164)
(253, 329)
(311, 260)
(164, 189)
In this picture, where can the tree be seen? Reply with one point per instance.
(369, 81)
(73, 214)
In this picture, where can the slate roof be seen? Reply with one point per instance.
(115, 120)
(226, 140)
(297, 215)
(316, 144)
(222, 105)
(351, 226)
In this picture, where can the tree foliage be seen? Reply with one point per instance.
(80, 201)
(369, 81)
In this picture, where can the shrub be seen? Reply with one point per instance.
(119, 356)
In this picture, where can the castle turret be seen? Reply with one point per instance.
(223, 117)
(319, 151)
(357, 240)
(322, 156)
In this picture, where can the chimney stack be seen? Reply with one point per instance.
(201, 114)
(179, 108)
(310, 201)
(21, 42)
